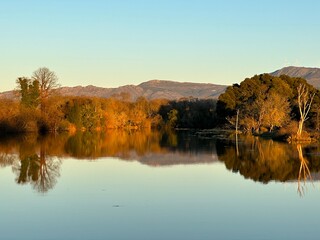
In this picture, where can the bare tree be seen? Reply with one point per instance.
(304, 102)
(48, 81)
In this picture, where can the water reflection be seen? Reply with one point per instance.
(154, 148)
(34, 165)
(36, 161)
(304, 171)
(266, 160)
(113, 144)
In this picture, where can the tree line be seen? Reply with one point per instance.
(41, 109)
(260, 104)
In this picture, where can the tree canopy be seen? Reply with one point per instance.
(264, 101)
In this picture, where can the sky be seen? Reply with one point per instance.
(109, 43)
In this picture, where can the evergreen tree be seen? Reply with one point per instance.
(29, 92)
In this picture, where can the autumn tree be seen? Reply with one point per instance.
(276, 110)
(115, 113)
(9, 114)
(54, 119)
(140, 113)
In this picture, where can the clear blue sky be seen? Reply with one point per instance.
(116, 42)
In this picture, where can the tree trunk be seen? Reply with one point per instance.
(318, 122)
(299, 132)
(304, 171)
(237, 121)
(271, 128)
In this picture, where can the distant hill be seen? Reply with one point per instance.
(9, 95)
(312, 75)
(154, 89)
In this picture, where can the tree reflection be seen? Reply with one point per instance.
(266, 160)
(6, 148)
(35, 161)
(153, 148)
(123, 144)
(6, 159)
(304, 171)
(35, 166)
(259, 160)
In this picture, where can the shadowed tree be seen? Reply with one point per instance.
(29, 92)
(173, 117)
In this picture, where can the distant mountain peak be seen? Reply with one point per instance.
(311, 74)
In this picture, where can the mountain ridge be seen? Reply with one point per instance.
(311, 74)
(152, 89)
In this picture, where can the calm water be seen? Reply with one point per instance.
(133, 185)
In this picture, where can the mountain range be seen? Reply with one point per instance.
(171, 90)
(154, 89)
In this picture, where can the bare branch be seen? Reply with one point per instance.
(47, 80)
(304, 102)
